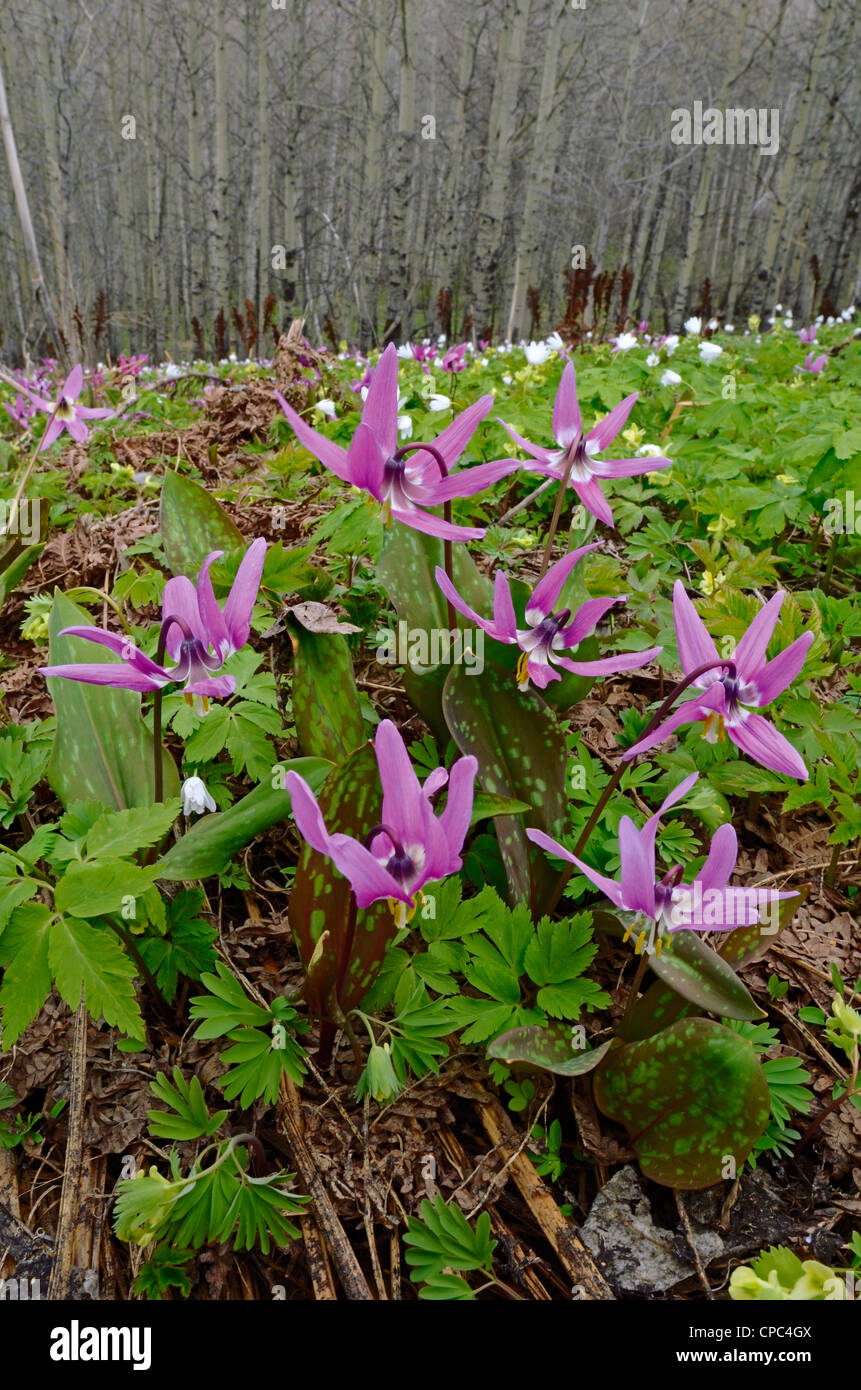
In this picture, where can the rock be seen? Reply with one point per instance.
(636, 1256)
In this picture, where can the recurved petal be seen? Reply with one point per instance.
(718, 868)
(750, 653)
(179, 600)
(380, 411)
(331, 455)
(606, 430)
(610, 665)
(243, 595)
(780, 672)
(695, 645)
(758, 738)
(593, 499)
(567, 422)
(125, 677)
(637, 853)
(608, 886)
(548, 589)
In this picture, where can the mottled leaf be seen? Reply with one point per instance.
(326, 706)
(690, 1098)
(521, 754)
(351, 802)
(102, 750)
(550, 1049)
(192, 524)
(208, 846)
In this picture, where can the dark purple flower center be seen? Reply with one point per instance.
(194, 663)
(399, 864)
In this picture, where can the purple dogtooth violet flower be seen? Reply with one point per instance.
(196, 633)
(813, 365)
(575, 457)
(549, 633)
(411, 846)
(665, 905)
(405, 486)
(65, 412)
(726, 696)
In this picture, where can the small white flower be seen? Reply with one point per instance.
(536, 353)
(172, 370)
(405, 351)
(506, 381)
(650, 451)
(652, 360)
(670, 378)
(671, 342)
(326, 407)
(438, 402)
(405, 425)
(589, 334)
(555, 342)
(694, 326)
(729, 328)
(710, 352)
(195, 797)
(787, 322)
(713, 325)
(830, 320)
(778, 308)
(626, 341)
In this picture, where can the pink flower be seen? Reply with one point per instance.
(548, 633)
(813, 365)
(412, 845)
(577, 451)
(65, 412)
(726, 700)
(405, 486)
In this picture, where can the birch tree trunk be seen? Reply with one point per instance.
(400, 293)
(220, 214)
(38, 288)
(490, 230)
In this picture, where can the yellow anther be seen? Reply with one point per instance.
(658, 944)
(522, 673)
(640, 939)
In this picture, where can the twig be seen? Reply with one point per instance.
(61, 1270)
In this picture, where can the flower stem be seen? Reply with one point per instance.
(446, 511)
(616, 778)
(557, 512)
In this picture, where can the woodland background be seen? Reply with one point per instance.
(279, 166)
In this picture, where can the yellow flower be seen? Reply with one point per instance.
(723, 523)
(634, 436)
(710, 582)
(786, 479)
(753, 323)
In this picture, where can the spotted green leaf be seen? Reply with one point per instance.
(193, 524)
(690, 1098)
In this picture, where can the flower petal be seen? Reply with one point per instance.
(179, 600)
(504, 621)
(121, 646)
(777, 674)
(405, 808)
(380, 411)
(243, 594)
(610, 665)
(452, 441)
(122, 677)
(637, 853)
(467, 482)
(548, 589)
(628, 468)
(567, 421)
(608, 886)
(606, 430)
(544, 456)
(718, 868)
(586, 619)
(432, 525)
(211, 615)
(749, 654)
(695, 645)
(761, 741)
(593, 499)
(331, 455)
(455, 819)
(74, 383)
(696, 708)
